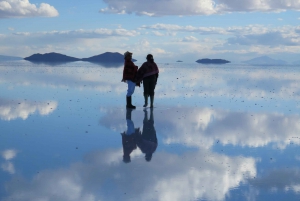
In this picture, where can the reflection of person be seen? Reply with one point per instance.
(128, 137)
(147, 141)
(129, 75)
(148, 73)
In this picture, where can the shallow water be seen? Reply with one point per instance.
(228, 132)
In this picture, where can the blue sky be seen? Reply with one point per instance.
(169, 29)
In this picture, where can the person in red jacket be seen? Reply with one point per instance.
(129, 76)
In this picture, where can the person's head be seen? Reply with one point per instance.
(128, 56)
(148, 157)
(150, 58)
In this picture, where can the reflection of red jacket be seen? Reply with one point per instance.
(130, 71)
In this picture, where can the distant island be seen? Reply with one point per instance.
(265, 60)
(51, 57)
(112, 57)
(9, 58)
(212, 61)
(107, 57)
(179, 61)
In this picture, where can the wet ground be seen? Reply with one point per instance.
(228, 132)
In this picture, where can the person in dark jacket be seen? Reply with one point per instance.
(148, 74)
(129, 76)
(147, 141)
(129, 137)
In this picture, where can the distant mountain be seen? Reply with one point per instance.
(51, 57)
(265, 60)
(113, 57)
(212, 61)
(9, 58)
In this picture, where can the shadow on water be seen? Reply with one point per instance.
(145, 140)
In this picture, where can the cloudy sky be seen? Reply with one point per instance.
(169, 29)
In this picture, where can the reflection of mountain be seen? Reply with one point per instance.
(111, 57)
(12, 109)
(212, 61)
(51, 57)
(103, 176)
(9, 58)
(203, 127)
(109, 64)
(265, 60)
(49, 63)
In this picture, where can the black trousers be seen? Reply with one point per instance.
(149, 84)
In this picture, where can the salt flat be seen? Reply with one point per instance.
(224, 132)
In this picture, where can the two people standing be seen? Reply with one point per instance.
(134, 76)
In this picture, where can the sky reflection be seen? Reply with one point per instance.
(216, 133)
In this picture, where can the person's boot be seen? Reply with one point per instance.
(128, 114)
(146, 100)
(128, 101)
(151, 101)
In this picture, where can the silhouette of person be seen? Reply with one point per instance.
(147, 140)
(148, 74)
(129, 137)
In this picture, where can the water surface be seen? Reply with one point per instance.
(227, 132)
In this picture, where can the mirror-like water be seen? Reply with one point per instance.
(228, 132)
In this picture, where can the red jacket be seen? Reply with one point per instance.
(130, 71)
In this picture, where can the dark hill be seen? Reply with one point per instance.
(212, 61)
(51, 57)
(113, 57)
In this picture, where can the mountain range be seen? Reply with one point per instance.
(265, 60)
(107, 57)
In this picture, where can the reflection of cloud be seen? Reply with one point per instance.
(9, 154)
(204, 127)
(280, 179)
(199, 175)
(11, 109)
(8, 167)
(194, 82)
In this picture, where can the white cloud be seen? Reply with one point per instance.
(11, 109)
(195, 7)
(9, 154)
(11, 28)
(188, 39)
(160, 8)
(23, 8)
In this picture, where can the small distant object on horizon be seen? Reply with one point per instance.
(179, 61)
(212, 61)
(265, 60)
(107, 57)
(9, 58)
